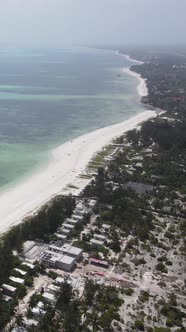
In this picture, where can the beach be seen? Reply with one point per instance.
(141, 87)
(67, 163)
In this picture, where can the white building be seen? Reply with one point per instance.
(31, 266)
(97, 242)
(52, 289)
(68, 250)
(92, 203)
(8, 290)
(58, 261)
(64, 231)
(19, 281)
(6, 298)
(59, 280)
(77, 217)
(100, 237)
(61, 236)
(49, 298)
(23, 273)
(38, 311)
(68, 226)
(61, 256)
(106, 227)
(75, 252)
(66, 263)
(71, 221)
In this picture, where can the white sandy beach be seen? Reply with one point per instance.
(141, 87)
(131, 59)
(67, 163)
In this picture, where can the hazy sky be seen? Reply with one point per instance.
(55, 22)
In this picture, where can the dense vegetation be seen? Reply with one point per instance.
(96, 309)
(39, 226)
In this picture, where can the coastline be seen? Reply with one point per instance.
(142, 86)
(129, 58)
(68, 162)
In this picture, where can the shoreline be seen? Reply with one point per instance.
(142, 86)
(129, 58)
(68, 162)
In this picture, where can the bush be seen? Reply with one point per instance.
(128, 291)
(144, 296)
(140, 261)
(169, 322)
(29, 281)
(149, 329)
(139, 325)
(168, 263)
(162, 259)
(161, 267)
(161, 329)
(52, 274)
(173, 314)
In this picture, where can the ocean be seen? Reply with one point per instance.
(48, 97)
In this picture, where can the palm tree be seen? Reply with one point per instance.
(95, 321)
(19, 320)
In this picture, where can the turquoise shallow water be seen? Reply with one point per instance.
(48, 97)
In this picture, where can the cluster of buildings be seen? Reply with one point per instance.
(49, 296)
(61, 256)
(69, 224)
(9, 290)
(99, 239)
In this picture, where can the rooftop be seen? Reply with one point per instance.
(65, 231)
(75, 251)
(138, 187)
(105, 226)
(28, 245)
(71, 220)
(97, 242)
(52, 288)
(7, 298)
(8, 287)
(67, 260)
(98, 261)
(17, 280)
(31, 266)
(61, 236)
(65, 225)
(92, 202)
(66, 247)
(38, 311)
(23, 273)
(59, 280)
(75, 216)
(49, 296)
(99, 236)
